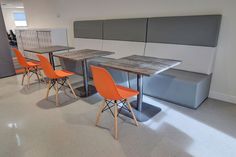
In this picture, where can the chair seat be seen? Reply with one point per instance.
(126, 92)
(63, 73)
(32, 64)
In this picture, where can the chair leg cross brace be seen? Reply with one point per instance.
(64, 82)
(123, 106)
(29, 73)
(106, 106)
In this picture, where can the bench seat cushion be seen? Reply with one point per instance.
(185, 88)
(73, 66)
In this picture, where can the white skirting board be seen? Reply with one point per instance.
(222, 97)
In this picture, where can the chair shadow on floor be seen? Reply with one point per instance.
(50, 103)
(93, 99)
(33, 87)
(163, 141)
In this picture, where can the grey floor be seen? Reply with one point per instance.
(30, 126)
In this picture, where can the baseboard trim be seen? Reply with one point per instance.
(222, 97)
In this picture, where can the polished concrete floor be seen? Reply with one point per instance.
(30, 126)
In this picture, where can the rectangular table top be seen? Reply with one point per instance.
(48, 49)
(143, 65)
(83, 54)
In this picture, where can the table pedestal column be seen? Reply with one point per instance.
(50, 54)
(86, 90)
(142, 110)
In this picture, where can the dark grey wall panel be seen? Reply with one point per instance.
(6, 63)
(125, 29)
(185, 30)
(88, 29)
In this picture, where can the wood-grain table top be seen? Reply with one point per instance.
(83, 54)
(143, 65)
(48, 49)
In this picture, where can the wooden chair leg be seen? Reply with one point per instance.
(41, 75)
(134, 118)
(48, 89)
(115, 120)
(102, 106)
(37, 74)
(72, 90)
(23, 78)
(28, 78)
(57, 101)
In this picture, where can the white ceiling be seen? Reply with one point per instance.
(12, 4)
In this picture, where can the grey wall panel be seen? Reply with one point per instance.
(185, 30)
(125, 29)
(88, 29)
(6, 63)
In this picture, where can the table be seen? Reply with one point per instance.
(49, 50)
(84, 55)
(142, 66)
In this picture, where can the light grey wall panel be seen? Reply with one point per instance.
(88, 29)
(6, 63)
(125, 29)
(185, 30)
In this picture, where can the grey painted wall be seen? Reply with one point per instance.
(6, 63)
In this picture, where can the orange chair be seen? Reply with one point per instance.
(30, 68)
(55, 77)
(112, 94)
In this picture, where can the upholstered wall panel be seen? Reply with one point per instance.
(125, 29)
(88, 29)
(185, 30)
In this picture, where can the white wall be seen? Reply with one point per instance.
(43, 14)
(8, 17)
(62, 13)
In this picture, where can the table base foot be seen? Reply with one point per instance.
(80, 92)
(148, 111)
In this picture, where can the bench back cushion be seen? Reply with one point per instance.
(191, 39)
(194, 58)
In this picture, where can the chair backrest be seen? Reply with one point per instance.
(104, 83)
(47, 67)
(21, 59)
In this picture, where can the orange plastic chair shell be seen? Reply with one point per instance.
(21, 59)
(49, 71)
(106, 86)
